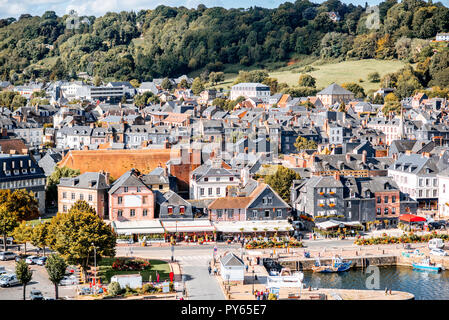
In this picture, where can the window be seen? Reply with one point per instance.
(254, 214)
(393, 199)
(138, 189)
(170, 209)
(64, 195)
(119, 200)
(264, 200)
(219, 213)
(64, 208)
(120, 213)
(218, 191)
(218, 179)
(385, 210)
(231, 178)
(182, 209)
(81, 196)
(279, 213)
(267, 213)
(434, 193)
(209, 191)
(145, 212)
(125, 189)
(132, 212)
(90, 197)
(161, 187)
(206, 179)
(393, 210)
(379, 199)
(270, 200)
(230, 213)
(73, 196)
(144, 199)
(202, 191)
(378, 211)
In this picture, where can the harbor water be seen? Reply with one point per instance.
(424, 285)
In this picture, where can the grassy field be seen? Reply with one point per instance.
(327, 73)
(161, 267)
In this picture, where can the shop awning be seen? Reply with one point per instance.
(411, 218)
(188, 226)
(248, 226)
(137, 227)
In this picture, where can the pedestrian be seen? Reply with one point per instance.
(210, 269)
(255, 294)
(246, 267)
(390, 291)
(386, 291)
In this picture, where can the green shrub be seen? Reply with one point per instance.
(114, 289)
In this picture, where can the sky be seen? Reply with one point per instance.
(14, 8)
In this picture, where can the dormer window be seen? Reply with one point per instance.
(16, 171)
(8, 172)
(32, 170)
(206, 179)
(170, 210)
(182, 209)
(24, 171)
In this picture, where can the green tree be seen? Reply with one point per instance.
(21, 203)
(22, 234)
(8, 222)
(56, 269)
(72, 234)
(40, 236)
(305, 144)
(306, 80)
(166, 84)
(135, 83)
(392, 104)
(82, 206)
(281, 181)
(54, 179)
(342, 107)
(24, 275)
(216, 77)
(197, 86)
(374, 77)
(97, 81)
(356, 89)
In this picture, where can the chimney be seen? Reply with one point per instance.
(364, 156)
(106, 176)
(4, 132)
(337, 176)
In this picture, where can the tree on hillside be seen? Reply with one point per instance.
(216, 77)
(374, 77)
(166, 84)
(356, 89)
(197, 86)
(306, 80)
(22, 234)
(21, 203)
(8, 222)
(304, 144)
(281, 181)
(135, 83)
(56, 269)
(24, 275)
(251, 76)
(392, 104)
(72, 234)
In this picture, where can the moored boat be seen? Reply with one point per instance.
(425, 264)
(337, 266)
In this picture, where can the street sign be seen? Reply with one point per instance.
(165, 287)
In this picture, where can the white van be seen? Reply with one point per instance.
(436, 243)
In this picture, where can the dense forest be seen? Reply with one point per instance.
(171, 41)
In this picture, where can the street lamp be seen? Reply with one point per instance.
(95, 263)
(253, 280)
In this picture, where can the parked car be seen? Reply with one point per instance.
(68, 280)
(40, 261)
(438, 252)
(436, 243)
(21, 256)
(31, 259)
(436, 225)
(7, 255)
(36, 295)
(9, 280)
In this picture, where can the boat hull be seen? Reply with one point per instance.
(329, 269)
(428, 268)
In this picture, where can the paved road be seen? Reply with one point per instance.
(39, 281)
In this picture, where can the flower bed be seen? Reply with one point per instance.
(262, 244)
(130, 265)
(408, 238)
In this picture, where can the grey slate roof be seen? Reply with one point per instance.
(87, 180)
(334, 89)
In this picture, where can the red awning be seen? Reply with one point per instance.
(411, 218)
